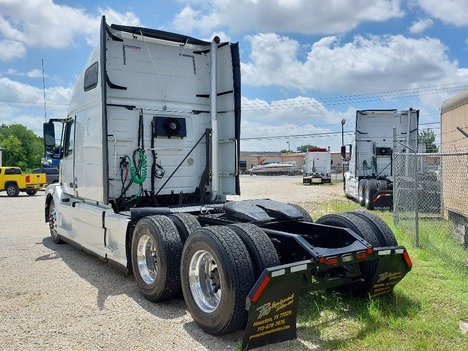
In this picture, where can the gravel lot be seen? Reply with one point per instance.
(55, 297)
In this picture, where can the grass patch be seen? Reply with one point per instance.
(423, 313)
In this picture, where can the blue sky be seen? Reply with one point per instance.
(306, 64)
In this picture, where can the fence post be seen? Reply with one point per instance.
(416, 200)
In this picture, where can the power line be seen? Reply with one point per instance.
(273, 137)
(303, 103)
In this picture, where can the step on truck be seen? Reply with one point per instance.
(377, 135)
(150, 152)
(317, 166)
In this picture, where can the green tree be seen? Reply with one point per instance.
(21, 147)
(427, 137)
(304, 148)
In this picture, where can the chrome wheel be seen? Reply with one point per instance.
(53, 223)
(146, 259)
(204, 281)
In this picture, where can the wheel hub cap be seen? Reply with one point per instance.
(146, 259)
(205, 281)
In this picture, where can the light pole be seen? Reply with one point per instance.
(343, 121)
(289, 146)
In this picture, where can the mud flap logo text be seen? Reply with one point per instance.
(265, 309)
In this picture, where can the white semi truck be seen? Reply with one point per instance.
(317, 166)
(369, 178)
(150, 150)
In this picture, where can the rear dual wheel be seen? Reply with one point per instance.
(185, 224)
(370, 188)
(361, 187)
(381, 229)
(156, 250)
(217, 276)
(216, 268)
(362, 228)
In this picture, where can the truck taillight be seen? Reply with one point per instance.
(361, 255)
(331, 261)
(28, 179)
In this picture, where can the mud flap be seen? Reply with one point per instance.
(393, 264)
(383, 200)
(272, 305)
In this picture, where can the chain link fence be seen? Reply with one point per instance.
(430, 195)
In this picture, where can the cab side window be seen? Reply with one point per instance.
(91, 77)
(69, 137)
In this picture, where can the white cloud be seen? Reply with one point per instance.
(42, 23)
(367, 64)
(421, 26)
(301, 16)
(35, 73)
(11, 49)
(453, 11)
(305, 118)
(23, 103)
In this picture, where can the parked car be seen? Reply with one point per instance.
(14, 181)
(52, 174)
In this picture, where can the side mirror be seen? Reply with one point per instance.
(343, 152)
(49, 137)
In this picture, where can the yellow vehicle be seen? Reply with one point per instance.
(13, 180)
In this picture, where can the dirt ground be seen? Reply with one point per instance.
(290, 189)
(55, 297)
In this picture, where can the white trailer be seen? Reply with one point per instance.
(317, 166)
(369, 178)
(150, 152)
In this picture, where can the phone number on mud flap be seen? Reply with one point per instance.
(277, 321)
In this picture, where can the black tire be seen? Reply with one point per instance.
(12, 190)
(369, 190)
(381, 185)
(305, 215)
(185, 224)
(52, 218)
(357, 225)
(382, 230)
(361, 187)
(365, 231)
(261, 249)
(31, 192)
(217, 275)
(156, 251)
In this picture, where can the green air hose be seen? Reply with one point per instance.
(373, 164)
(143, 162)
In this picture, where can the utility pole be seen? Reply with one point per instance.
(343, 121)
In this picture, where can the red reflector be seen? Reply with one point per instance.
(370, 250)
(28, 179)
(322, 260)
(407, 259)
(331, 261)
(361, 255)
(261, 288)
